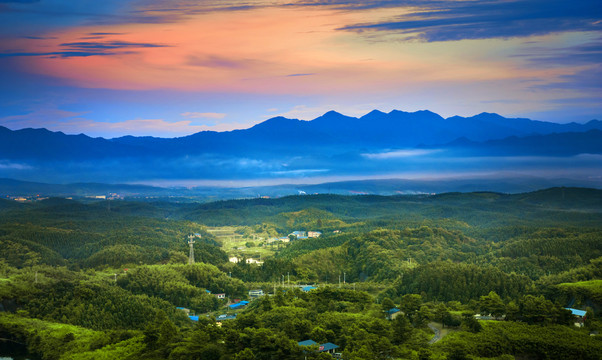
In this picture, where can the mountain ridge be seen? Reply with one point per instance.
(396, 129)
(330, 145)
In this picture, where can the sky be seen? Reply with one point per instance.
(172, 68)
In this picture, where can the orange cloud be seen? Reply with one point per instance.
(271, 51)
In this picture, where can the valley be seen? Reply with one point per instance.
(85, 280)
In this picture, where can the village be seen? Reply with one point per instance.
(233, 306)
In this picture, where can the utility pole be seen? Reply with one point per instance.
(288, 279)
(344, 275)
(339, 280)
(115, 277)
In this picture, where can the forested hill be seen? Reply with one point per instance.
(455, 226)
(96, 279)
(478, 208)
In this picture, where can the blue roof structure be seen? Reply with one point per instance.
(307, 343)
(193, 317)
(393, 311)
(207, 291)
(327, 347)
(323, 347)
(308, 288)
(577, 312)
(239, 304)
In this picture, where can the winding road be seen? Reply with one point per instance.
(438, 334)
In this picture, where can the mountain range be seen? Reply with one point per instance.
(375, 130)
(332, 145)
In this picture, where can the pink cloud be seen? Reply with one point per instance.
(206, 115)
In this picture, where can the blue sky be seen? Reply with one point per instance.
(172, 68)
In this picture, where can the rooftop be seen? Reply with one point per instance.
(577, 312)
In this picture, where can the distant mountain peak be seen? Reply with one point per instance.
(332, 114)
(489, 115)
(373, 114)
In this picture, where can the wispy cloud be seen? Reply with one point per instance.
(204, 115)
(8, 165)
(299, 172)
(71, 122)
(457, 20)
(396, 154)
(214, 61)
(584, 53)
(88, 48)
(140, 127)
(108, 45)
(105, 33)
(54, 54)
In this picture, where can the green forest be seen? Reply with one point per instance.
(450, 276)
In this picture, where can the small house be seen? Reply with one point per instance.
(256, 293)
(578, 315)
(392, 311)
(223, 318)
(326, 347)
(220, 296)
(185, 310)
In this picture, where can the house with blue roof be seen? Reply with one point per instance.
(326, 347)
(392, 311)
(307, 343)
(579, 316)
(185, 310)
(308, 288)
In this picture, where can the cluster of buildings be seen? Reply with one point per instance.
(26, 199)
(236, 260)
(297, 235)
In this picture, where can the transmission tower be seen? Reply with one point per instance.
(191, 255)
